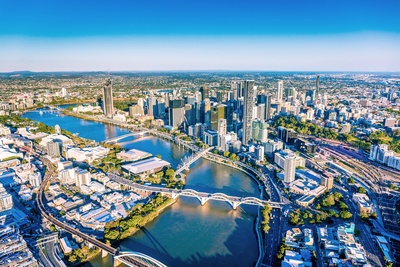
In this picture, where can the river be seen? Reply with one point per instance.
(186, 233)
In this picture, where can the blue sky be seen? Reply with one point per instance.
(200, 35)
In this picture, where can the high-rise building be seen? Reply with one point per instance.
(221, 126)
(53, 149)
(205, 111)
(205, 92)
(176, 113)
(63, 92)
(237, 87)
(152, 109)
(259, 153)
(218, 112)
(190, 114)
(136, 110)
(259, 131)
(279, 94)
(288, 136)
(108, 104)
(247, 110)
(82, 178)
(289, 169)
(35, 179)
(316, 88)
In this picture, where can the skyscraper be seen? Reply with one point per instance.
(108, 104)
(205, 92)
(316, 88)
(279, 94)
(237, 87)
(176, 113)
(247, 110)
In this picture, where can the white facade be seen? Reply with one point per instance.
(6, 201)
(82, 178)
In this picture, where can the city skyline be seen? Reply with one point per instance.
(156, 36)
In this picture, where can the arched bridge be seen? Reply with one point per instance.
(203, 197)
(138, 259)
(232, 200)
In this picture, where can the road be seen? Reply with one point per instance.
(49, 217)
(278, 223)
(50, 250)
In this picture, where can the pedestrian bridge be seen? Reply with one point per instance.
(117, 138)
(186, 162)
(131, 258)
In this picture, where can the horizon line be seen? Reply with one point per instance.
(193, 70)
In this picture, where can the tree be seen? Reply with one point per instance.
(170, 173)
(53, 228)
(343, 206)
(226, 154)
(364, 216)
(344, 214)
(351, 180)
(373, 215)
(361, 190)
(357, 232)
(328, 201)
(159, 156)
(265, 214)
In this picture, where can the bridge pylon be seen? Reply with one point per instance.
(203, 200)
(116, 262)
(104, 253)
(235, 205)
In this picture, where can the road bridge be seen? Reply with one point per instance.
(203, 197)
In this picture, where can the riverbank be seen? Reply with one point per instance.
(118, 230)
(82, 255)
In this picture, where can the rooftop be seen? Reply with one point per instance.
(145, 165)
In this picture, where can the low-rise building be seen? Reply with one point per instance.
(363, 202)
(133, 155)
(145, 167)
(88, 154)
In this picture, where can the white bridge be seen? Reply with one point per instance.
(187, 161)
(201, 196)
(117, 138)
(138, 259)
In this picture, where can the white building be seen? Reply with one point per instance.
(35, 179)
(382, 154)
(88, 153)
(6, 201)
(4, 130)
(272, 146)
(65, 141)
(6, 153)
(82, 178)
